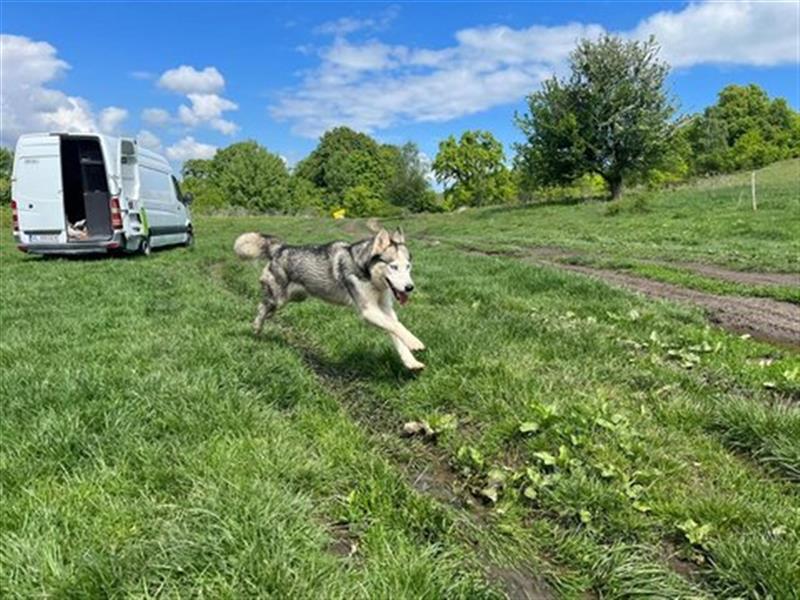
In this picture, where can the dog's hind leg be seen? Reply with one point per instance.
(272, 299)
(266, 309)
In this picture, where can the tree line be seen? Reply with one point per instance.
(609, 123)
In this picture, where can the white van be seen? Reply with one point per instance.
(76, 193)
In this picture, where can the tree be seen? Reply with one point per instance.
(743, 130)
(473, 169)
(250, 176)
(612, 116)
(344, 159)
(409, 186)
(6, 164)
(196, 179)
(304, 196)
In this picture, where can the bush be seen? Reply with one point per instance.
(361, 201)
(305, 197)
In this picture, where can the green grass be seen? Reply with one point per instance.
(151, 446)
(709, 221)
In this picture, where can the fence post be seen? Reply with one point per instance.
(753, 189)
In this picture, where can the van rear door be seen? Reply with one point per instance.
(37, 188)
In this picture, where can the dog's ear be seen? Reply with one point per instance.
(398, 237)
(381, 242)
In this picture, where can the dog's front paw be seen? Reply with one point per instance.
(415, 366)
(414, 344)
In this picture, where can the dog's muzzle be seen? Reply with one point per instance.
(401, 295)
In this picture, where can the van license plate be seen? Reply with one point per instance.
(44, 237)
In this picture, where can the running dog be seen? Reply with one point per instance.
(368, 275)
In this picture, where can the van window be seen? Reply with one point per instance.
(155, 185)
(177, 189)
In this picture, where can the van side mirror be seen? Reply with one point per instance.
(188, 198)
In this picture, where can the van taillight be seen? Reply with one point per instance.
(116, 215)
(15, 215)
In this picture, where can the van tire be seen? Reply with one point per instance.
(144, 246)
(189, 238)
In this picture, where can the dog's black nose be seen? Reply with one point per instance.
(409, 288)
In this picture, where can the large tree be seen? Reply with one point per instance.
(611, 116)
(252, 177)
(743, 130)
(409, 186)
(345, 159)
(473, 170)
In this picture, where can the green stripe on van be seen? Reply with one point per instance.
(145, 226)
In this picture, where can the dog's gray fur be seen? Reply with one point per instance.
(368, 275)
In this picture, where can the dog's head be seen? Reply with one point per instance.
(390, 264)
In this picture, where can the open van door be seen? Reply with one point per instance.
(129, 173)
(37, 187)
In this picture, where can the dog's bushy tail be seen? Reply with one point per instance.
(255, 245)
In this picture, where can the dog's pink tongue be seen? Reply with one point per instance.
(402, 297)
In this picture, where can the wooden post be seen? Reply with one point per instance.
(753, 189)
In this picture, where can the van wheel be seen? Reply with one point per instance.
(144, 246)
(189, 238)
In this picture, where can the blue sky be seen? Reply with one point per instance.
(189, 77)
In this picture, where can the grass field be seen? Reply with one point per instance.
(589, 442)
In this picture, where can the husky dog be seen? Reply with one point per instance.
(367, 275)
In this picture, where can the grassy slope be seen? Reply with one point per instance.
(710, 221)
(151, 445)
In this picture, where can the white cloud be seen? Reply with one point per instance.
(747, 33)
(208, 108)
(371, 85)
(342, 26)
(188, 80)
(188, 148)
(156, 116)
(223, 126)
(111, 118)
(346, 25)
(26, 103)
(202, 88)
(149, 140)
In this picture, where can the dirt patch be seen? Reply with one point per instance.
(434, 477)
(556, 253)
(356, 227)
(671, 555)
(520, 584)
(344, 543)
(744, 277)
(763, 318)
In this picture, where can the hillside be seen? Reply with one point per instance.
(588, 440)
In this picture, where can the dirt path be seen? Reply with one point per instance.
(763, 318)
(745, 277)
(704, 269)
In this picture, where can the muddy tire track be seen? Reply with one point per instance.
(743, 277)
(560, 255)
(764, 319)
(425, 468)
